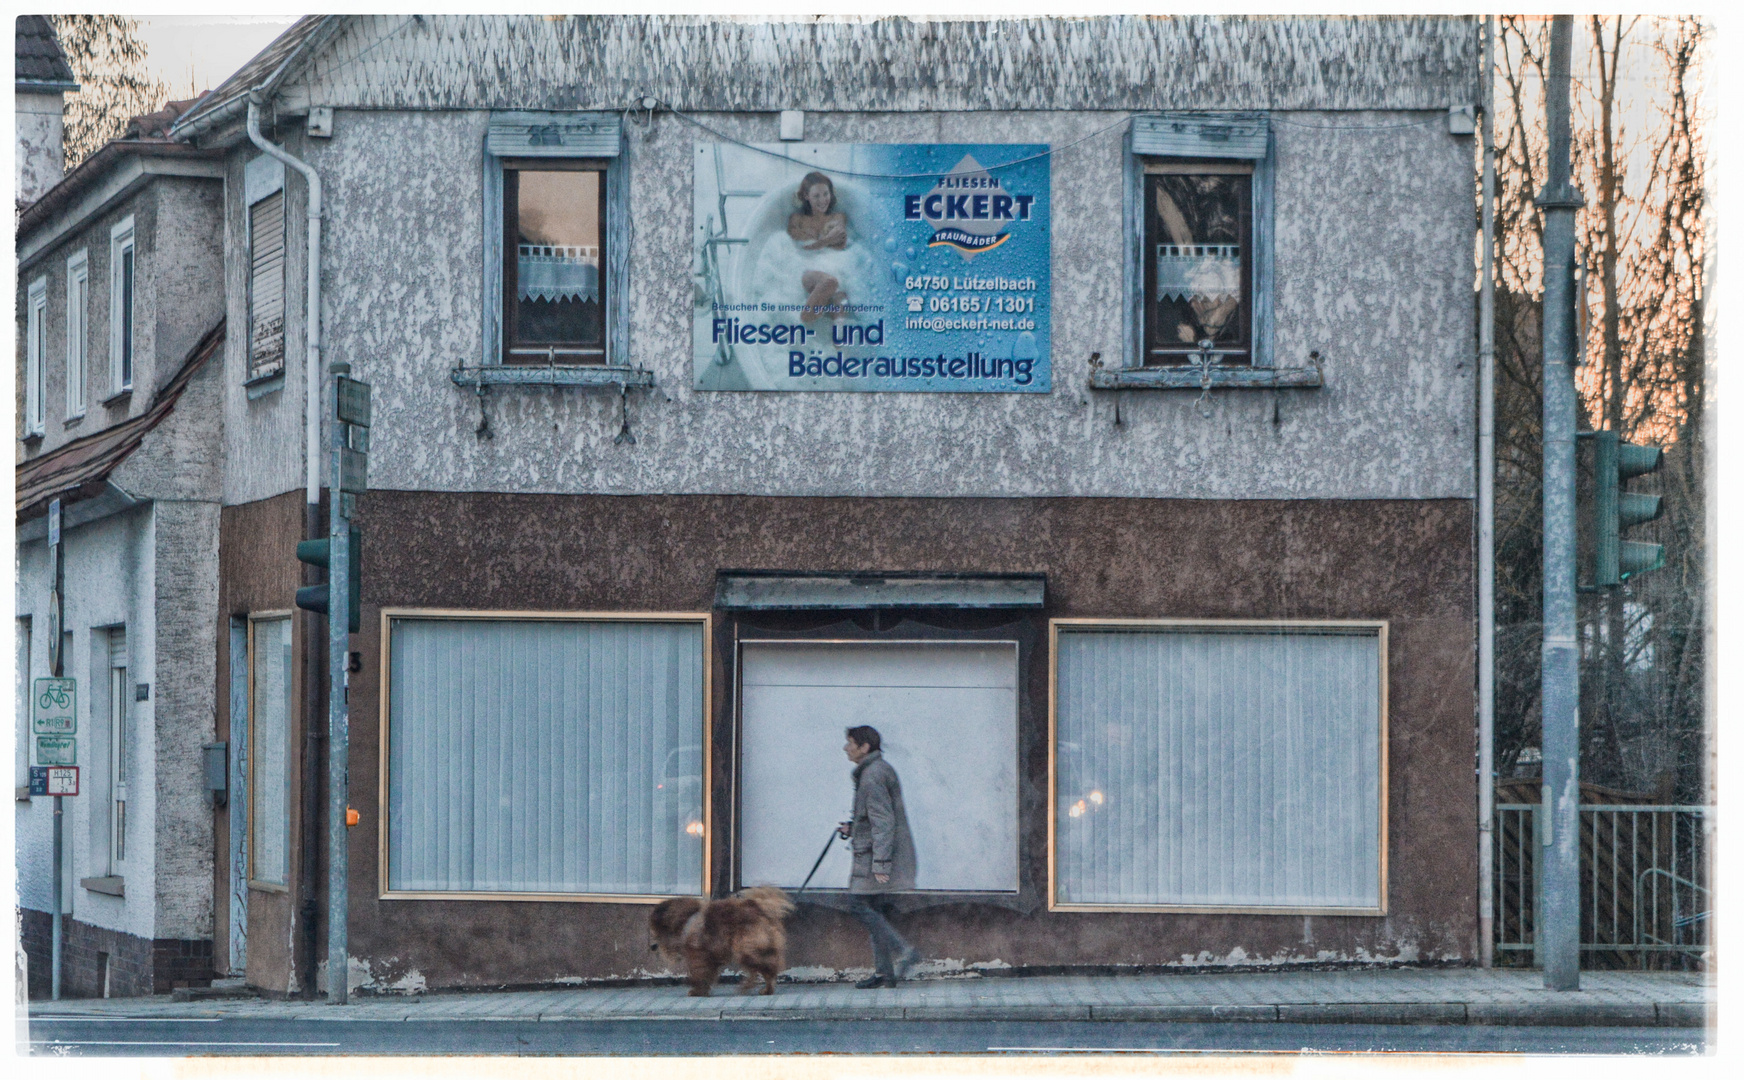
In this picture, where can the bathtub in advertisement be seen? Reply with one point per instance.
(899, 267)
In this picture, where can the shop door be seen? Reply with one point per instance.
(947, 712)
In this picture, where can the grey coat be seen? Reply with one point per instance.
(881, 841)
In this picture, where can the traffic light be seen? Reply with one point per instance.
(1614, 509)
(314, 597)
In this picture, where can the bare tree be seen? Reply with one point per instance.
(1641, 238)
(108, 58)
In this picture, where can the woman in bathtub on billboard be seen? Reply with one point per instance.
(821, 232)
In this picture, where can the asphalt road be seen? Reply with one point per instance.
(178, 1038)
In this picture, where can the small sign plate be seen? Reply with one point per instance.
(353, 399)
(57, 750)
(54, 522)
(353, 471)
(51, 707)
(54, 779)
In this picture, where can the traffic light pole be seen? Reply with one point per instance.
(339, 573)
(1558, 928)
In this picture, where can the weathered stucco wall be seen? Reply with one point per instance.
(1405, 561)
(1373, 271)
(41, 160)
(759, 63)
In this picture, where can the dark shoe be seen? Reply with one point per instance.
(873, 982)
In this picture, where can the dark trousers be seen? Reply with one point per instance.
(887, 944)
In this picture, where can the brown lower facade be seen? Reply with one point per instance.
(1402, 564)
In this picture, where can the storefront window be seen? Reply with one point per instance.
(1219, 766)
(546, 757)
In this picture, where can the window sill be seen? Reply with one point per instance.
(262, 385)
(73, 421)
(108, 886)
(119, 397)
(1189, 377)
(580, 375)
(32, 440)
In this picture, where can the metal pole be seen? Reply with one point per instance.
(58, 653)
(338, 714)
(1487, 525)
(1559, 932)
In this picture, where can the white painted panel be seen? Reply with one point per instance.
(948, 716)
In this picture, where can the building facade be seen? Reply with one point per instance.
(1135, 509)
(120, 423)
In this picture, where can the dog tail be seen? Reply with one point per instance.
(770, 900)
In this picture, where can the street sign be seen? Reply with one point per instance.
(54, 779)
(51, 707)
(353, 398)
(353, 471)
(57, 750)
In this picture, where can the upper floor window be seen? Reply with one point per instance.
(121, 306)
(35, 355)
(78, 302)
(1202, 185)
(264, 200)
(1199, 277)
(554, 203)
(554, 269)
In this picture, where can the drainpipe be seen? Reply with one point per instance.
(1487, 526)
(312, 530)
(1557, 934)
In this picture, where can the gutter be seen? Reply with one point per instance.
(1487, 526)
(312, 320)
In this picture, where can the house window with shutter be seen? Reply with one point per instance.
(264, 229)
(121, 296)
(266, 286)
(555, 211)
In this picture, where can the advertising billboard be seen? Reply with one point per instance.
(862, 267)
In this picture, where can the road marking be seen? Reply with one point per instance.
(132, 1019)
(164, 1042)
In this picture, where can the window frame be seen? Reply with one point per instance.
(36, 358)
(120, 718)
(78, 331)
(554, 137)
(292, 706)
(384, 754)
(1180, 138)
(123, 307)
(1154, 356)
(510, 259)
(1379, 628)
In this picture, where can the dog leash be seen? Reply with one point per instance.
(835, 832)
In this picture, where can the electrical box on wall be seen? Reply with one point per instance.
(321, 121)
(216, 758)
(792, 125)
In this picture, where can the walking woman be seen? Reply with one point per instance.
(883, 855)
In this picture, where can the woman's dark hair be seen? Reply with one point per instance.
(813, 179)
(866, 736)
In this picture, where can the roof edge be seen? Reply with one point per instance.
(45, 86)
(229, 102)
(92, 169)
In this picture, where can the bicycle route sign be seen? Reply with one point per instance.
(52, 707)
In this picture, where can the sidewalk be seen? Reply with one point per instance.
(1388, 996)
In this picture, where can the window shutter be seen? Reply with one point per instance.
(118, 647)
(533, 134)
(266, 286)
(1201, 135)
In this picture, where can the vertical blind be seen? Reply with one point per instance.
(1218, 768)
(547, 756)
(266, 285)
(270, 737)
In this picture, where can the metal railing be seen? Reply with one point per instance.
(1644, 882)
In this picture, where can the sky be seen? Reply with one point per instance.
(191, 53)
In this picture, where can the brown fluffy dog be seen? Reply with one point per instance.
(705, 935)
